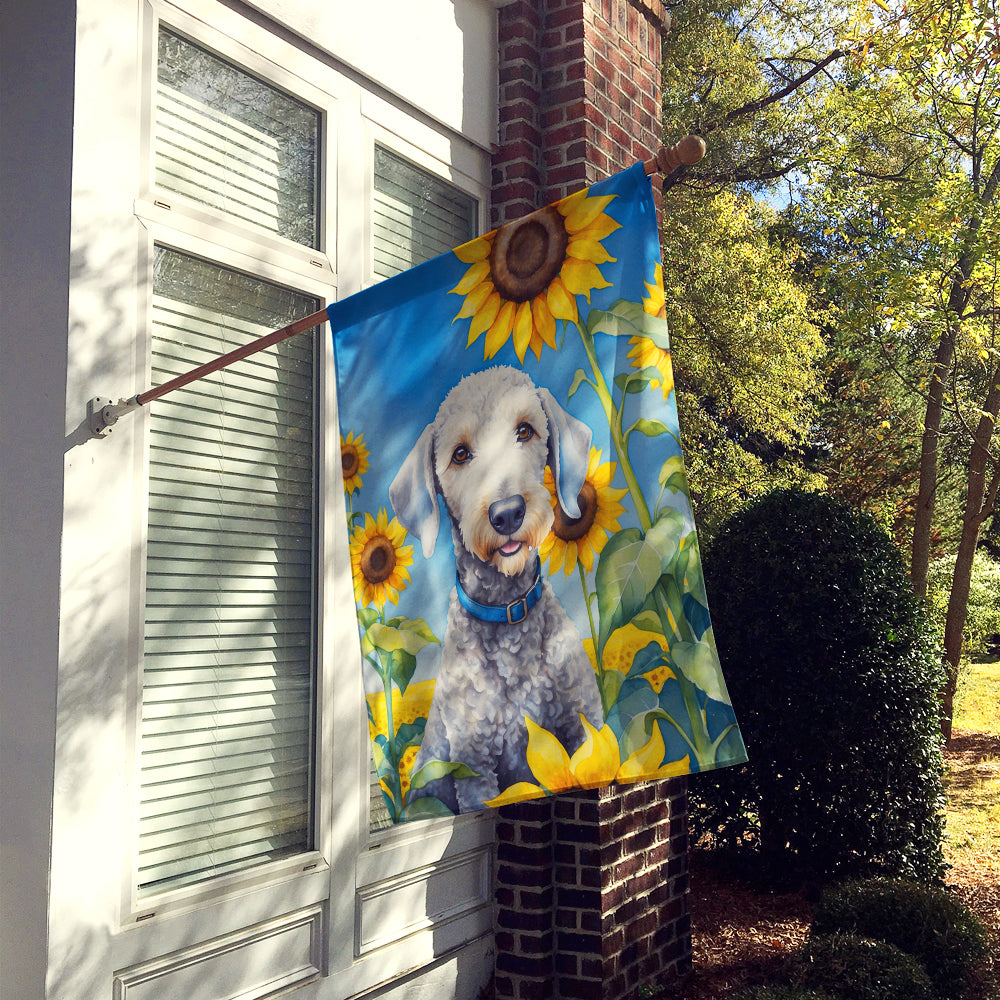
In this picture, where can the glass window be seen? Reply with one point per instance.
(228, 140)
(228, 680)
(416, 215)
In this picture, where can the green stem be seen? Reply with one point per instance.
(614, 418)
(385, 673)
(593, 635)
(704, 748)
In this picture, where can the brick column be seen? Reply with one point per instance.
(591, 890)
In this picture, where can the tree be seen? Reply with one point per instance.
(913, 180)
(748, 355)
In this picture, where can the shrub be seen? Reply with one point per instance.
(834, 675)
(925, 922)
(856, 968)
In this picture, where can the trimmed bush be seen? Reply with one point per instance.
(834, 675)
(925, 922)
(856, 968)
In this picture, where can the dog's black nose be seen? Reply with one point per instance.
(507, 516)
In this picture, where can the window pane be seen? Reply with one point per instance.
(228, 140)
(228, 659)
(417, 215)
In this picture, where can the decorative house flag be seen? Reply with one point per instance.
(530, 601)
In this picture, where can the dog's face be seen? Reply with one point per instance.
(490, 450)
(485, 453)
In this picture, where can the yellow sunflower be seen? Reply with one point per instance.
(584, 537)
(597, 762)
(379, 560)
(354, 459)
(525, 275)
(620, 652)
(644, 353)
(409, 707)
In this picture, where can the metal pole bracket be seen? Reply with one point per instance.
(103, 413)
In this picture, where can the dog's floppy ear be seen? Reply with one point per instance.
(569, 452)
(413, 493)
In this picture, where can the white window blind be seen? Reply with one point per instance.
(228, 659)
(416, 216)
(228, 140)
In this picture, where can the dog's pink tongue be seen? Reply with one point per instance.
(510, 548)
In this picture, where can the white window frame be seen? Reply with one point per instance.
(353, 874)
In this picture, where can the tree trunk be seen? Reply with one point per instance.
(920, 553)
(979, 501)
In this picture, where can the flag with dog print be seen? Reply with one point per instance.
(531, 609)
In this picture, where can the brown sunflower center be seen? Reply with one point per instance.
(350, 460)
(572, 529)
(378, 559)
(528, 254)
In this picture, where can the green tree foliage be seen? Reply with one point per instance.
(748, 360)
(834, 671)
(878, 121)
(747, 352)
(909, 181)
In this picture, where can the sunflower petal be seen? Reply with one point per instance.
(596, 762)
(520, 791)
(588, 249)
(484, 318)
(646, 760)
(547, 758)
(475, 250)
(543, 319)
(499, 330)
(522, 330)
(581, 212)
(477, 272)
(474, 300)
(560, 301)
(601, 227)
(580, 277)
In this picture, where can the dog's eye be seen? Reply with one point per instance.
(525, 432)
(461, 455)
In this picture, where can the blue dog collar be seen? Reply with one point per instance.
(513, 613)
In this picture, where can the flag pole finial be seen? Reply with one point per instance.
(687, 152)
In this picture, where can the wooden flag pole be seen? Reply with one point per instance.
(103, 413)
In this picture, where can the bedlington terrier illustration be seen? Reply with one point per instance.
(510, 650)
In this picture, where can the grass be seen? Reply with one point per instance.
(972, 848)
(973, 783)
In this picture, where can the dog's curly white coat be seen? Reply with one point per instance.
(485, 453)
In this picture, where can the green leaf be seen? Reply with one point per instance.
(578, 379)
(626, 573)
(672, 475)
(409, 734)
(409, 634)
(629, 319)
(639, 380)
(651, 428)
(424, 808)
(611, 682)
(435, 769)
(699, 663)
(630, 567)
(401, 667)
